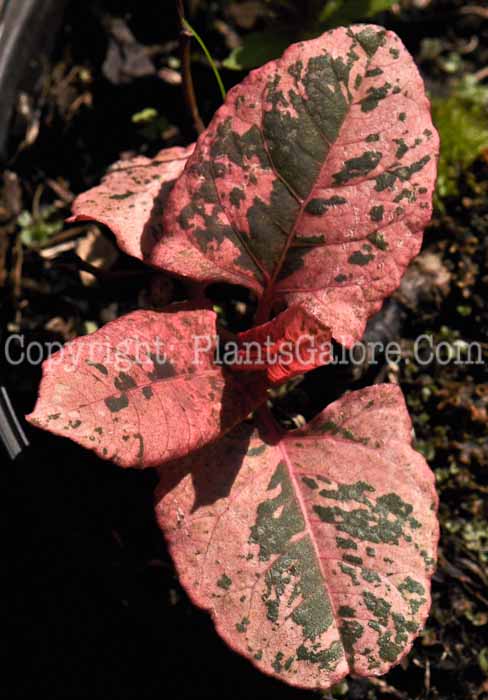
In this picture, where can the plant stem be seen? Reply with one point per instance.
(188, 89)
(263, 311)
(209, 58)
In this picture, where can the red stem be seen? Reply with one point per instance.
(187, 79)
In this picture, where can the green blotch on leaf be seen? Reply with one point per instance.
(117, 403)
(277, 665)
(344, 543)
(376, 213)
(374, 96)
(402, 148)
(318, 206)
(359, 258)
(373, 72)
(358, 167)
(391, 648)
(335, 429)
(256, 451)
(351, 559)
(378, 240)
(379, 607)
(237, 196)
(295, 576)
(242, 626)
(98, 366)
(308, 240)
(371, 40)
(311, 483)
(326, 659)
(147, 392)
(389, 651)
(383, 522)
(224, 582)
(349, 572)
(403, 173)
(349, 492)
(409, 195)
(124, 382)
(162, 368)
(121, 196)
(351, 632)
(272, 532)
(272, 609)
(288, 663)
(370, 576)
(409, 585)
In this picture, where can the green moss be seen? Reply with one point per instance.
(462, 121)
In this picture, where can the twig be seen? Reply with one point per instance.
(103, 275)
(209, 58)
(474, 10)
(427, 675)
(188, 88)
(64, 235)
(17, 268)
(481, 74)
(63, 193)
(36, 202)
(385, 688)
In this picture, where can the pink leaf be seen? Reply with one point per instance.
(144, 389)
(313, 182)
(131, 198)
(313, 550)
(292, 343)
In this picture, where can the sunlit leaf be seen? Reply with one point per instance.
(312, 550)
(144, 389)
(313, 182)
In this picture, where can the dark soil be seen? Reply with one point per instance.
(97, 608)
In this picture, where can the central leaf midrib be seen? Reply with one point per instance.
(269, 290)
(281, 445)
(311, 535)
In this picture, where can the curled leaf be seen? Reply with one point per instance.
(131, 198)
(292, 343)
(144, 389)
(313, 550)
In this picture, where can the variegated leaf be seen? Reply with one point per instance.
(130, 199)
(292, 343)
(144, 389)
(313, 182)
(312, 550)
